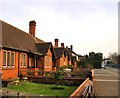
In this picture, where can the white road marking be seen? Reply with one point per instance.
(102, 75)
(112, 72)
(106, 80)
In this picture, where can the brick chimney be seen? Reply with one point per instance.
(56, 42)
(66, 47)
(62, 45)
(32, 25)
(71, 47)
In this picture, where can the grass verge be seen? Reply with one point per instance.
(43, 89)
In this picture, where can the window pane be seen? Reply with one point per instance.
(13, 58)
(36, 61)
(8, 59)
(4, 61)
(24, 59)
(32, 62)
(21, 59)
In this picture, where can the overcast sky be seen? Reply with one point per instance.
(88, 25)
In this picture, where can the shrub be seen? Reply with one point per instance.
(58, 76)
(63, 67)
(71, 67)
(89, 66)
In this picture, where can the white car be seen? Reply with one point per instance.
(103, 65)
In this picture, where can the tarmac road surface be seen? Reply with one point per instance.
(106, 82)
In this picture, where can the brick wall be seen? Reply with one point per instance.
(9, 72)
(13, 72)
(48, 61)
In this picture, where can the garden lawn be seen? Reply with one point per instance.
(43, 89)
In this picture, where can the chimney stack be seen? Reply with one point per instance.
(71, 47)
(67, 47)
(32, 25)
(56, 42)
(62, 45)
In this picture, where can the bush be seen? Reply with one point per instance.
(71, 67)
(49, 74)
(58, 77)
(63, 67)
(89, 66)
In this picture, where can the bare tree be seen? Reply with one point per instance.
(114, 57)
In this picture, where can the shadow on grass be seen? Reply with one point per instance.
(57, 87)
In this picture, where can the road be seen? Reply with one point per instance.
(106, 82)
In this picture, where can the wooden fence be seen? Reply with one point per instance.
(85, 90)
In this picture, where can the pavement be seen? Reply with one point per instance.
(106, 83)
(13, 93)
(6, 91)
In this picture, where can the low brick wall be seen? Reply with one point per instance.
(69, 81)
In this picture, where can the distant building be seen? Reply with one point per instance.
(61, 55)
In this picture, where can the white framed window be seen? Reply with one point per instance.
(23, 60)
(8, 59)
(5, 58)
(13, 59)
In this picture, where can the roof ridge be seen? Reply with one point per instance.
(35, 38)
(14, 26)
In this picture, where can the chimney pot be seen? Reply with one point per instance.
(32, 25)
(62, 45)
(56, 42)
(71, 47)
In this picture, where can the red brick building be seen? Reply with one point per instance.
(61, 55)
(72, 57)
(21, 51)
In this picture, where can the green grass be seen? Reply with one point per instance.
(43, 89)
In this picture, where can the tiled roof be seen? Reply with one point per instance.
(59, 51)
(15, 38)
(44, 47)
(68, 52)
(74, 58)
